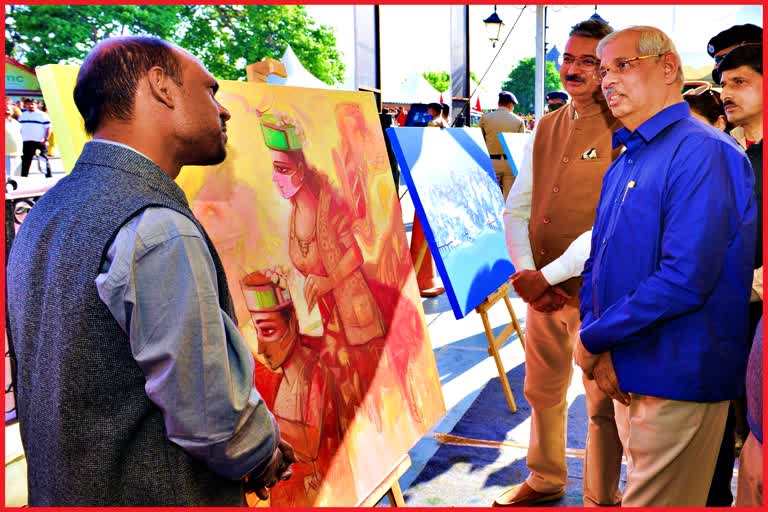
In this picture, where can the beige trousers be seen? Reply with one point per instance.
(749, 492)
(549, 345)
(503, 175)
(671, 448)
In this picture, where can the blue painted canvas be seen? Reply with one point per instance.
(514, 147)
(454, 190)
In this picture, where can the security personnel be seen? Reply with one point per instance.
(555, 100)
(501, 120)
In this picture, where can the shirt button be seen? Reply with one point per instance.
(629, 161)
(543, 252)
(565, 159)
(555, 189)
(605, 241)
(547, 220)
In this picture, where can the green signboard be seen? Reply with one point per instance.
(19, 79)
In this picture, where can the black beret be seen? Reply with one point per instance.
(748, 55)
(748, 33)
(506, 97)
(557, 95)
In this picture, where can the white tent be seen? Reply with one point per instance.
(488, 94)
(414, 88)
(297, 74)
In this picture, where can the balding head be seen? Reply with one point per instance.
(108, 79)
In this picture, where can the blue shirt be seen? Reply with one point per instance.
(159, 281)
(667, 284)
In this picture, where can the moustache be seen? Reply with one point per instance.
(574, 78)
(728, 102)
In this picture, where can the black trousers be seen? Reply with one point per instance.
(30, 146)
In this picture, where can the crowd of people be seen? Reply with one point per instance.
(27, 135)
(634, 224)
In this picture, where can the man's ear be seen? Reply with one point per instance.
(162, 87)
(672, 65)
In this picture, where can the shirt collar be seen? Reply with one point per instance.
(655, 125)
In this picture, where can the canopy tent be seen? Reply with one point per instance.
(414, 88)
(487, 94)
(298, 75)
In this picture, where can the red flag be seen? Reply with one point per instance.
(441, 97)
(477, 105)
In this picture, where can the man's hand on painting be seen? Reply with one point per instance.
(552, 300)
(585, 359)
(278, 469)
(529, 284)
(315, 287)
(606, 379)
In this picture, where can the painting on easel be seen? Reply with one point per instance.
(304, 215)
(514, 145)
(458, 200)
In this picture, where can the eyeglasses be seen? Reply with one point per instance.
(625, 65)
(587, 63)
(719, 58)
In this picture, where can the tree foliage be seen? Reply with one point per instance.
(522, 83)
(224, 37)
(440, 80)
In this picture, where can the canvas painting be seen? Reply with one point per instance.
(514, 147)
(458, 200)
(304, 215)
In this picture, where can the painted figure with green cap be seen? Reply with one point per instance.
(307, 401)
(323, 249)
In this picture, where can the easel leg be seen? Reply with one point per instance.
(395, 495)
(516, 324)
(493, 350)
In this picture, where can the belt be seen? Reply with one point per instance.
(498, 157)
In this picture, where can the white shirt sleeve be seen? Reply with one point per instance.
(571, 262)
(517, 213)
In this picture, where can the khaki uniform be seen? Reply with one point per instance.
(492, 124)
(570, 157)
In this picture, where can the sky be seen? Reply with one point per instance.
(416, 38)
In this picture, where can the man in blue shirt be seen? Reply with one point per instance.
(667, 284)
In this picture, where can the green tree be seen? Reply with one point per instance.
(224, 37)
(228, 37)
(440, 80)
(522, 83)
(52, 34)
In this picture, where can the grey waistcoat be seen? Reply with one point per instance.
(90, 433)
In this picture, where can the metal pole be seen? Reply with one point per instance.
(540, 63)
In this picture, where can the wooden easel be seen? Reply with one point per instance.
(390, 485)
(494, 342)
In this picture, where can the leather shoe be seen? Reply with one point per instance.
(432, 292)
(523, 495)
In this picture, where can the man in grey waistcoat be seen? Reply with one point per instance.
(134, 385)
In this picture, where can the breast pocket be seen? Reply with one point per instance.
(639, 219)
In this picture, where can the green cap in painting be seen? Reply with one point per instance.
(262, 295)
(279, 136)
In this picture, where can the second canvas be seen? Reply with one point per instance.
(451, 181)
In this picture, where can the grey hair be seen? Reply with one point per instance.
(652, 41)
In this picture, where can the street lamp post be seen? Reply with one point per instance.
(493, 26)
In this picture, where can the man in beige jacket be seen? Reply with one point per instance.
(549, 213)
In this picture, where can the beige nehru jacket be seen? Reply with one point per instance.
(496, 122)
(570, 157)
